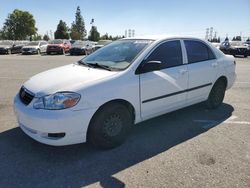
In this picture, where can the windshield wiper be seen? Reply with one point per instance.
(80, 62)
(100, 66)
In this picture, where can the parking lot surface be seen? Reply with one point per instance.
(192, 147)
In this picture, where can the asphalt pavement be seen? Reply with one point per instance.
(192, 147)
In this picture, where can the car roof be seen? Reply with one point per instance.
(161, 37)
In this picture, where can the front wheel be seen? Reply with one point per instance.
(110, 126)
(216, 94)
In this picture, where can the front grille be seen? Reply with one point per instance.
(242, 49)
(25, 96)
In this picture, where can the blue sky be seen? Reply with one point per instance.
(187, 17)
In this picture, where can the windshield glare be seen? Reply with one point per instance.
(118, 54)
(83, 43)
(56, 42)
(33, 44)
(236, 44)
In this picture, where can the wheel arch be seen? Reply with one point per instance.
(224, 79)
(124, 102)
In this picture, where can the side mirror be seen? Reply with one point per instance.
(148, 67)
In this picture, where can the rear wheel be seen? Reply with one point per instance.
(110, 126)
(216, 94)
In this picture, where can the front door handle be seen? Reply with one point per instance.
(214, 64)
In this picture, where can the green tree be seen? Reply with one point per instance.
(46, 37)
(18, 25)
(94, 35)
(78, 31)
(104, 37)
(37, 37)
(1, 35)
(61, 31)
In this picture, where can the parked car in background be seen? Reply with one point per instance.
(101, 43)
(17, 47)
(6, 47)
(99, 98)
(247, 43)
(234, 48)
(216, 44)
(11, 47)
(81, 48)
(35, 47)
(58, 46)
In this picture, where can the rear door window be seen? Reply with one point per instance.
(198, 51)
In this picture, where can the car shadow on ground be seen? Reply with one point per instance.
(27, 163)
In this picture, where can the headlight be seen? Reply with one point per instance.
(57, 101)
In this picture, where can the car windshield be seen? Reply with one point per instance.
(33, 44)
(79, 42)
(6, 43)
(56, 41)
(117, 55)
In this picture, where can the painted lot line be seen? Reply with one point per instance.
(207, 124)
(12, 78)
(242, 82)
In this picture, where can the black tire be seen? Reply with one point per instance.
(216, 95)
(110, 126)
(48, 53)
(63, 52)
(245, 55)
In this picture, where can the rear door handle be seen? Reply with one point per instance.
(182, 71)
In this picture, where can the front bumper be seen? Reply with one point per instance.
(40, 124)
(3, 50)
(77, 51)
(29, 51)
(54, 50)
(238, 51)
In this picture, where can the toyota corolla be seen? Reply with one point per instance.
(99, 98)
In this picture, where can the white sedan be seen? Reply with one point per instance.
(100, 97)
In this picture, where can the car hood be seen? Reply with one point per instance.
(30, 47)
(66, 78)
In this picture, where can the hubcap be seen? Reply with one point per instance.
(112, 125)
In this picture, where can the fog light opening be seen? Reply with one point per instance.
(56, 135)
